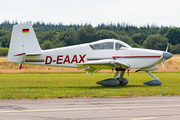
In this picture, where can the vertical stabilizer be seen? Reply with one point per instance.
(23, 42)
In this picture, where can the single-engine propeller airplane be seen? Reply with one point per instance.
(103, 54)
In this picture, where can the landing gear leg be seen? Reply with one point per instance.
(122, 81)
(155, 82)
(116, 75)
(121, 75)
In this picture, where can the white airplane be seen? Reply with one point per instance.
(103, 54)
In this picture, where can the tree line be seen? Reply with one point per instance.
(54, 36)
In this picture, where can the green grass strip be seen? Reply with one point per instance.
(73, 85)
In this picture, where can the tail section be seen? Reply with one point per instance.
(23, 42)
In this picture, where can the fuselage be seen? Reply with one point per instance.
(72, 55)
(103, 54)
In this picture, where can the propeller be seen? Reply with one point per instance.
(166, 55)
(164, 58)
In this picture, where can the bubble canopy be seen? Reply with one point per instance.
(108, 44)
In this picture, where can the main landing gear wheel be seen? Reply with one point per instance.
(113, 82)
(123, 82)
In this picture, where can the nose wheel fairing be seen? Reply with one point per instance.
(155, 82)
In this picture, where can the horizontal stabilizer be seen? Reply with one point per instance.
(28, 54)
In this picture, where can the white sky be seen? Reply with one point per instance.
(135, 12)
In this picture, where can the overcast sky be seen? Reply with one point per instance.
(135, 12)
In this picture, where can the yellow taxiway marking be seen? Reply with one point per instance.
(146, 118)
(103, 108)
(175, 116)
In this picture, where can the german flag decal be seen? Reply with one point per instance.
(25, 30)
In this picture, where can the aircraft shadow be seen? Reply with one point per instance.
(83, 87)
(100, 87)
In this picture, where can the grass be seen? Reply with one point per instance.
(35, 81)
(73, 85)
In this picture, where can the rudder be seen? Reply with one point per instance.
(23, 42)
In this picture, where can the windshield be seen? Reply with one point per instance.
(119, 46)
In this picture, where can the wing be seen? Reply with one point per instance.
(91, 66)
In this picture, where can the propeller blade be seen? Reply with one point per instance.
(167, 47)
(164, 61)
(166, 55)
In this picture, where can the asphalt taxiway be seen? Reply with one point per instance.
(117, 108)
